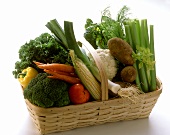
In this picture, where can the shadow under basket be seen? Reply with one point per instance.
(50, 120)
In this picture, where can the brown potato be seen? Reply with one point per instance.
(128, 74)
(121, 50)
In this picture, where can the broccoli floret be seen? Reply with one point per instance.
(46, 92)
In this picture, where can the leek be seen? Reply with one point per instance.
(58, 32)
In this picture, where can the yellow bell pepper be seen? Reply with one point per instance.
(26, 76)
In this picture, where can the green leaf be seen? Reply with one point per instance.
(143, 55)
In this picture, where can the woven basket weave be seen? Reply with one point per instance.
(50, 120)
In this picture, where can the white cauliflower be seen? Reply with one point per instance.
(109, 62)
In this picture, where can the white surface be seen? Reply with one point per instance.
(24, 20)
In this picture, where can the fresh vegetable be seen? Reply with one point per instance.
(86, 77)
(78, 94)
(109, 62)
(152, 83)
(121, 50)
(67, 78)
(60, 71)
(26, 76)
(45, 92)
(57, 67)
(131, 92)
(37, 63)
(94, 72)
(58, 32)
(43, 48)
(73, 45)
(93, 69)
(67, 39)
(137, 36)
(128, 74)
(72, 74)
(97, 34)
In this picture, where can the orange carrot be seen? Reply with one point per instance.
(63, 73)
(57, 66)
(69, 79)
(38, 63)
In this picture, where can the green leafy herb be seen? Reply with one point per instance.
(97, 34)
(143, 55)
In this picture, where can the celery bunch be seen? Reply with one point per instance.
(142, 42)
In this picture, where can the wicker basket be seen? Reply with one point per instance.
(50, 120)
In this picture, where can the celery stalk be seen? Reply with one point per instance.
(143, 47)
(152, 85)
(129, 40)
(146, 44)
(142, 74)
(146, 35)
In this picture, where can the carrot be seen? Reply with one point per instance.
(63, 73)
(69, 79)
(38, 63)
(57, 66)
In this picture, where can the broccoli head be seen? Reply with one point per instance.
(46, 92)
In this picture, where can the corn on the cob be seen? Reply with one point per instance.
(86, 77)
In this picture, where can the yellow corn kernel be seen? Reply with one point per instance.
(86, 77)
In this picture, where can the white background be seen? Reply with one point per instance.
(24, 20)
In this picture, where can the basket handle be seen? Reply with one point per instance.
(103, 76)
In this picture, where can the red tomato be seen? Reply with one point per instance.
(78, 94)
